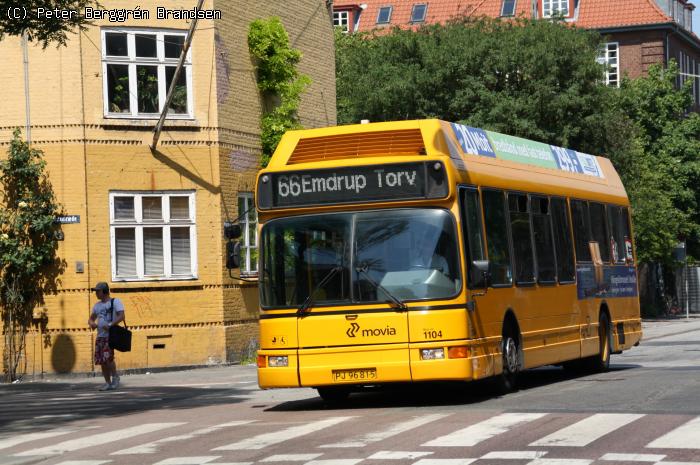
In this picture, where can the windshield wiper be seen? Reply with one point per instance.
(304, 307)
(363, 269)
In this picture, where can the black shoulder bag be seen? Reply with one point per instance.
(119, 337)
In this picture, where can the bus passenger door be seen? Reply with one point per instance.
(474, 250)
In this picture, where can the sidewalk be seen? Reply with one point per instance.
(662, 327)
(231, 374)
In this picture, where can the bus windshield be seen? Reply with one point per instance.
(411, 254)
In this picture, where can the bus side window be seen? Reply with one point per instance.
(471, 229)
(566, 271)
(544, 243)
(498, 248)
(582, 228)
(628, 253)
(522, 238)
(599, 231)
(619, 233)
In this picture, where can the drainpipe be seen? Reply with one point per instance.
(28, 127)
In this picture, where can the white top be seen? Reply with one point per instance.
(104, 315)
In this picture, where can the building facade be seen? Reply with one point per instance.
(638, 33)
(150, 222)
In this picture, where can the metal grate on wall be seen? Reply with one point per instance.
(347, 146)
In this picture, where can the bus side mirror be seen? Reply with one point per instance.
(481, 276)
(232, 231)
(233, 255)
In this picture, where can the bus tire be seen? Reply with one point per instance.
(510, 352)
(601, 362)
(333, 394)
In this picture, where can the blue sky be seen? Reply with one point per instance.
(696, 18)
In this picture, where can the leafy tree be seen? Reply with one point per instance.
(279, 81)
(29, 267)
(19, 16)
(534, 79)
(665, 184)
(539, 80)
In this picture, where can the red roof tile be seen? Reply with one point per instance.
(592, 14)
(595, 14)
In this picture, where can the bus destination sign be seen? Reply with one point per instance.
(403, 181)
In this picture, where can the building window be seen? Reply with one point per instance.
(555, 8)
(249, 228)
(384, 16)
(418, 13)
(138, 67)
(153, 235)
(609, 57)
(341, 19)
(508, 8)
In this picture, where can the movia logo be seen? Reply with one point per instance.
(354, 328)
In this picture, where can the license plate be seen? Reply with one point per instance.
(360, 374)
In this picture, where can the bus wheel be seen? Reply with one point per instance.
(601, 362)
(333, 394)
(510, 350)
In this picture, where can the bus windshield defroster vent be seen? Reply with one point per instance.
(359, 145)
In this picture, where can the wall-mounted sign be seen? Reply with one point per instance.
(67, 219)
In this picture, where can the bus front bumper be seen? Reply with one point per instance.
(376, 364)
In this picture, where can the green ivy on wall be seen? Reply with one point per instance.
(279, 82)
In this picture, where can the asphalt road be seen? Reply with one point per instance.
(646, 409)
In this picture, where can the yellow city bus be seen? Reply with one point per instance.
(427, 250)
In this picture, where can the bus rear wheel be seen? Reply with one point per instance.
(601, 362)
(333, 394)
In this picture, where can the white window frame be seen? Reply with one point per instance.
(425, 13)
(379, 14)
(555, 7)
(611, 67)
(246, 246)
(503, 7)
(341, 19)
(138, 224)
(132, 61)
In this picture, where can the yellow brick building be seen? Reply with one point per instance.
(151, 223)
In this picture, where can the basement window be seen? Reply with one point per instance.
(138, 66)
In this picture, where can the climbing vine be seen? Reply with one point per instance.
(279, 82)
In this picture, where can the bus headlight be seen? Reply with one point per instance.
(432, 354)
(277, 361)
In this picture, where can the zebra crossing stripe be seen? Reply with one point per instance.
(291, 458)
(561, 462)
(633, 457)
(84, 462)
(484, 430)
(445, 461)
(587, 430)
(22, 438)
(152, 447)
(397, 455)
(393, 430)
(684, 437)
(188, 460)
(514, 455)
(98, 439)
(267, 439)
(335, 462)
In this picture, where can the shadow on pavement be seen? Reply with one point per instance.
(38, 406)
(446, 393)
